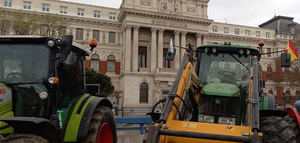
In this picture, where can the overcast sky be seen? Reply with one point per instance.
(242, 12)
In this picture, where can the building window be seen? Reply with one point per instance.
(96, 34)
(293, 30)
(237, 31)
(215, 29)
(142, 58)
(257, 33)
(268, 35)
(144, 93)
(269, 52)
(45, 7)
(97, 14)
(112, 37)
(95, 62)
(247, 32)
(112, 16)
(27, 5)
(111, 60)
(226, 30)
(62, 31)
(8, 3)
(63, 9)
(80, 12)
(79, 34)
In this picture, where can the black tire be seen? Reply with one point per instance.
(101, 115)
(23, 138)
(279, 129)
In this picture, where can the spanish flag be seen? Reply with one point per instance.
(289, 48)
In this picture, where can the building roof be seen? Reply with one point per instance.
(274, 19)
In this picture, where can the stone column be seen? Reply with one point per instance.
(184, 6)
(160, 47)
(153, 50)
(176, 46)
(205, 11)
(107, 36)
(202, 10)
(128, 49)
(199, 36)
(102, 37)
(204, 40)
(199, 10)
(154, 5)
(183, 45)
(135, 50)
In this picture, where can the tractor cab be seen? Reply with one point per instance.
(42, 74)
(224, 71)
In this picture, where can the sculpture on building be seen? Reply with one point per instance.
(171, 6)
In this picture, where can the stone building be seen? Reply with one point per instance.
(134, 39)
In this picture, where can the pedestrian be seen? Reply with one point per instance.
(115, 106)
(297, 105)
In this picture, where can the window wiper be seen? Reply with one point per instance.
(239, 62)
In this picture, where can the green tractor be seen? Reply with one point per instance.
(220, 99)
(43, 94)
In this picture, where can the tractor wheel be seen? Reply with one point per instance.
(23, 138)
(279, 129)
(102, 127)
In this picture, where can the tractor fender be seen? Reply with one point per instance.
(294, 114)
(265, 113)
(87, 115)
(37, 126)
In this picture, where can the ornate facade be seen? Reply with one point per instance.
(134, 39)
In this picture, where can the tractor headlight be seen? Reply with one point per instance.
(206, 118)
(227, 121)
(50, 43)
(241, 51)
(200, 118)
(232, 121)
(209, 119)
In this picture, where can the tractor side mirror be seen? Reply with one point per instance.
(66, 46)
(171, 56)
(285, 60)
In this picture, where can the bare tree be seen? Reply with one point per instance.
(51, 24)
(4, 25)
(25, 24)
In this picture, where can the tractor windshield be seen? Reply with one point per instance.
(224, 68)
(23, 63)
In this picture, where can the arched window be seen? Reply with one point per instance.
(287, 97)
(144, 93)
(95, 62)
(111, 60)
(269, 72)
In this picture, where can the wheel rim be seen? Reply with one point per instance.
(105, 134)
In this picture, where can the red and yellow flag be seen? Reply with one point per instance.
(289, 48)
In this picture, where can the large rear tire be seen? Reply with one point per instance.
(102, 127)
(279, 129)
(23, 138)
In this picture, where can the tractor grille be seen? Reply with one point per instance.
(219, 106)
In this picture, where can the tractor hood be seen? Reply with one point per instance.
(221, 89)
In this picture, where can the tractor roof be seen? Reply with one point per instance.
(229, 48)
(33, 39)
